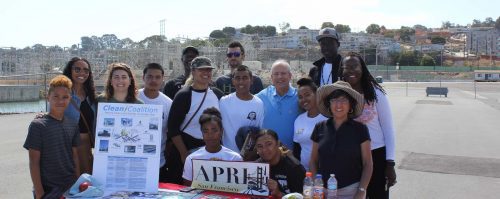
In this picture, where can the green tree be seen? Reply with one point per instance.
(394, 57)
(284, 27)
(229, 31)
(389, 34)
(55, 48)
(438, 40)
(418, 26)
(248, 29)
(220, 42)
(409, 58)
(154, 41)
(446, 25)
(266, 31)
(405, 33)
(128, 43)
(303, 27)
(327, 24)
(38, 48)
(427, 60)
(197, 42)
(270, 31)
(110, 41)
(488, 22)
(476, 23)
(217, 34)
(87, 44)
(340, 28)
(373, 29)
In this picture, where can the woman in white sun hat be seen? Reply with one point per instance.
(341, 146)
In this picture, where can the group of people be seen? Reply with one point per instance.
(338, 121)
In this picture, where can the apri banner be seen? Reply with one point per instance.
(127, 146)
(236, 177)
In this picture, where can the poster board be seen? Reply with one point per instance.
(235, 177)
(127, 146)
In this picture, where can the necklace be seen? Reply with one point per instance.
(323, 82)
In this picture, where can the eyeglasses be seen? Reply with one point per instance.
(339, 101)
(79, 70)
(235, 54)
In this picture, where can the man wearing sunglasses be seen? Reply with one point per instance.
(235, 56)
(174, 85)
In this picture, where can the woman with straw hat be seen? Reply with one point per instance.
(341, 146)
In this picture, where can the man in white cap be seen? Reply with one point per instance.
(325, 70)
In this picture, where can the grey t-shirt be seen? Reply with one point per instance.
(54, 139)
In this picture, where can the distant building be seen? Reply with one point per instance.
(483, 41)
(421, 36)
(424, 48)
(294, 39)
(357, 41)
(487, 75)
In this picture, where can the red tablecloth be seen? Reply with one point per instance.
(208, 192)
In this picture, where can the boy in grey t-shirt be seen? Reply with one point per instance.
(52, 143)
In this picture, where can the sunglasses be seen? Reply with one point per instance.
(79, 70)
(235, 54)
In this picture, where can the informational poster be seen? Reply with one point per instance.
(236, 177)
(127, 146)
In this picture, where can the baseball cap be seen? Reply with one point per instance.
(328, 32)
(201, 62)
(190, 48)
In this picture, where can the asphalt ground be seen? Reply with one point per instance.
(446, 147)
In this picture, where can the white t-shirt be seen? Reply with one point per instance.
(378, 118)
(303, 128)
(224, 154)
(162, 99)
(194, 128)
(237, 113)
(326, 74)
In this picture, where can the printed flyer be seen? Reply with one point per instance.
(127, 146)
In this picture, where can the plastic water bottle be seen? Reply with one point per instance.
(318, 187)
(332, 187)
(308, 186)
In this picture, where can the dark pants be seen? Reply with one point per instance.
(378, 182)
(163, 174)
(174, 165)
(52, 192)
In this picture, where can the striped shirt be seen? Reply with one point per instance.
(54, 139)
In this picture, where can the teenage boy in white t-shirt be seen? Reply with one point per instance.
(241, 108)
(150, 94)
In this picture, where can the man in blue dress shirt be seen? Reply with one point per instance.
(280, 103)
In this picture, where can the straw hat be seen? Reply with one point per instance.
(326, 90)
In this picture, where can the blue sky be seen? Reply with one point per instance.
(62, 22)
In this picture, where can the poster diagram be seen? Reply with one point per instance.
(127, 146)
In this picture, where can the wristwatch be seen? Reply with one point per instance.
(362, 189)
(390, 163)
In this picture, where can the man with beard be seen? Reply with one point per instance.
(235, 56)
